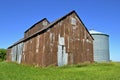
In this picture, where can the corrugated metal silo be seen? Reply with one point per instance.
(101, 46)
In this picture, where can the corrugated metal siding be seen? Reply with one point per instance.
(19, 52)
(8, 55)
(78, 44)
(101, 48)
(65, 42)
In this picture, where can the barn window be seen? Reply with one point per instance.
(73, 21)
(61, 41)
(44, 23)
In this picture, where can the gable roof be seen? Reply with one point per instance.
(37, 23)
(55, 22)
(49, 25)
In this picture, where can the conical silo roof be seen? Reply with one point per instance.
(94, 32)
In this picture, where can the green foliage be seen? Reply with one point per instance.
(95, 71)
(2, 54)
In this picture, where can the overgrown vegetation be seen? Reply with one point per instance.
(2, 54)
(96, 71)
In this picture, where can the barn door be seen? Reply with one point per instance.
(62, 55)
(19, 52)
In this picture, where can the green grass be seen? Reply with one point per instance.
(96, 71)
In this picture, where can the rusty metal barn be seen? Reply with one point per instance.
(64, 41)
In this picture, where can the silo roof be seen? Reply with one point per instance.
(94, 32)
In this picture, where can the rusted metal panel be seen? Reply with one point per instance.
(8, 55)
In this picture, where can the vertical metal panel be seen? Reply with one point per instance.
(19, 52)
(62, 55)
(65, 57)
(13, 53)
(8, 55)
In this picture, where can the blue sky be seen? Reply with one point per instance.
(18, 15)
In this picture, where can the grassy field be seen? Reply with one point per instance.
(101, 71)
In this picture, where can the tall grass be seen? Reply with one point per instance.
(96, 71)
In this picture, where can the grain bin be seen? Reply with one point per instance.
(100, 46)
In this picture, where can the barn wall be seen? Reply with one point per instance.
(66, 42)
(36, 28)
(8, 55)
(33, 51)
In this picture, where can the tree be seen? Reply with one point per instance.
(3, 54)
